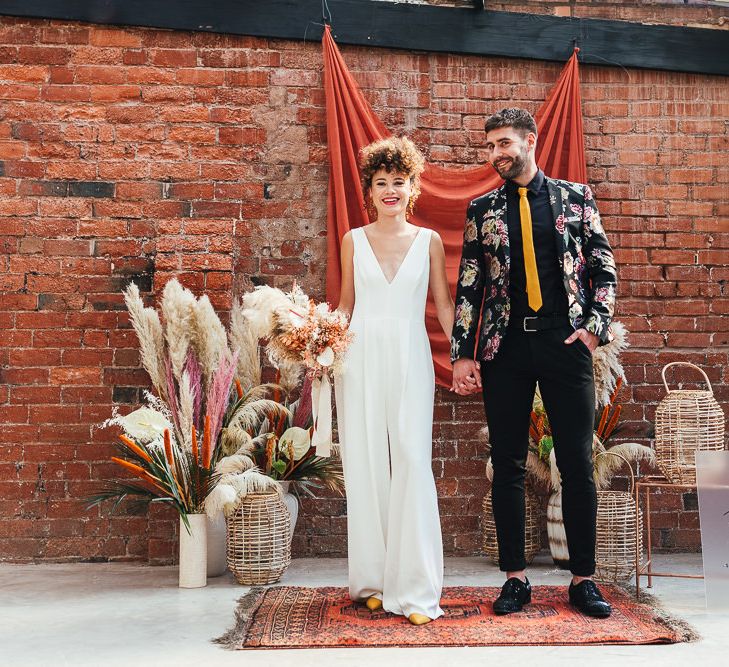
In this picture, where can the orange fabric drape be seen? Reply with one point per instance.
(445, 192)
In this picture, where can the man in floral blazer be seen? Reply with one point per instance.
(536, 288)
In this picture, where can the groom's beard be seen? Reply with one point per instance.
(515, 167)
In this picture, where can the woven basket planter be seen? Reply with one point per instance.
(532, 539)
(687, 421)
(619, 532)
(259, 544)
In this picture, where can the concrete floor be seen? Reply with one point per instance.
(104, 615)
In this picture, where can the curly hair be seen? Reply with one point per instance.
(520, 119)
(393, 154)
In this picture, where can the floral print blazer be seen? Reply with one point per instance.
(584, 255)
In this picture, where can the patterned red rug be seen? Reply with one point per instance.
(291, 617)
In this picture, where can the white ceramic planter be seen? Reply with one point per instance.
(292, 504)
(217, 532)
(193, 552)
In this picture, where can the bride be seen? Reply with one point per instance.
(385, 395)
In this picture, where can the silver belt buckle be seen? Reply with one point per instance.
(525, 324)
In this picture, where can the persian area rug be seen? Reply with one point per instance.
(293, 617)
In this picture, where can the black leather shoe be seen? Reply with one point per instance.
(586, 597)
(515, 593)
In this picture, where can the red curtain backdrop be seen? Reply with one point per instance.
(445, 193)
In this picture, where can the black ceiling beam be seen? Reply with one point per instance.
(413, 27)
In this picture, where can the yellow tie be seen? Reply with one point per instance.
(534, 294)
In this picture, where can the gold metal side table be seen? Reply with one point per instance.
(648, 484)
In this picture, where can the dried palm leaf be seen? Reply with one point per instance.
(252, 413)
(235, 440)
(607, 466)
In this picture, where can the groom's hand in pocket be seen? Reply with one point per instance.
(466, 377)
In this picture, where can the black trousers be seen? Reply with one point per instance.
(564, 374)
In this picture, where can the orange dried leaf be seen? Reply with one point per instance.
(135, 447)
(207, 445)
(168, 447)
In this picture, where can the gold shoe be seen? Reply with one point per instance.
(373, 603)
(419, 619)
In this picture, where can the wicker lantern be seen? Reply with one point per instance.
(619, 531)
(532, 537)
(687, 421)
(259, 546)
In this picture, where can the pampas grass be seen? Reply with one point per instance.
(149, 331)
(606, 364)
(262, 307)
(219, 392)
(178, 306)
(289, 374)
(208, 338)
(245, 341)
(186, 409)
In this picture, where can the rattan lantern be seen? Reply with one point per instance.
(259, 545)
(619, 531)
(532, 537)
(687, 421)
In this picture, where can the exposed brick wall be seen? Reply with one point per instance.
(694, 13)
(134, 154)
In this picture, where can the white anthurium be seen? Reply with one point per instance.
(145, 424)
(326, 358)
(298, 438)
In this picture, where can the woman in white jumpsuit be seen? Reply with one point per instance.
(385, 395)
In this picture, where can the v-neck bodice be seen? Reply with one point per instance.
(404, 259)
(404, 297)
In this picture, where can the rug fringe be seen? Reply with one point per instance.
(684, 631)
(247, 604)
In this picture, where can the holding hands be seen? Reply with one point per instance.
(466, 377)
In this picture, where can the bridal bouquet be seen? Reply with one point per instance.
(304, 334)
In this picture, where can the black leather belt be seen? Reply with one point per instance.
(532, 324)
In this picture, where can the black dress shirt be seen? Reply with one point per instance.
(554, 297)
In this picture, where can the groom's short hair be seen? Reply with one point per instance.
(520, 119)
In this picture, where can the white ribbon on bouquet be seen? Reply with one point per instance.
(321, 410)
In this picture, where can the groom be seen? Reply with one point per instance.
(538, 273)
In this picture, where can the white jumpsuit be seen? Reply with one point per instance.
(385, 420)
